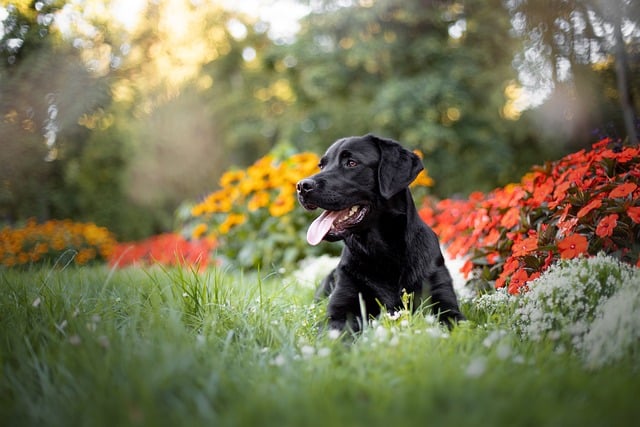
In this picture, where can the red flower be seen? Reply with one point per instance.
(525, 246)
(466, 268)
(510, 266)
(601, 144)
(623, 190)
(511, 218)
(572, 246)
(518, 280)
(634, 214)
(606, 225)
(589, 207)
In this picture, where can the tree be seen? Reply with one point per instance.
(44, 90)
(573, 36)
(430, 74)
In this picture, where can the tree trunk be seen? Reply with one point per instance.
(624, 89)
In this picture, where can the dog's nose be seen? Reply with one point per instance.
(305, 186)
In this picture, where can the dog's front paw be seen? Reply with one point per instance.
(336, 325)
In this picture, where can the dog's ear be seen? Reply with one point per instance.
(398, 167)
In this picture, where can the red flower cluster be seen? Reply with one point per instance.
(167, 249)
(585, 203)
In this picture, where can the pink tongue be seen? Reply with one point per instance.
(321, 226)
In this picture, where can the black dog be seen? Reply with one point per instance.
(389, 250)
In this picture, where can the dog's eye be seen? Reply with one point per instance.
(351, 163)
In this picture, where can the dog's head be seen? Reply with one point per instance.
(357, 175)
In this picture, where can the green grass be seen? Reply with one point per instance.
(160, 347)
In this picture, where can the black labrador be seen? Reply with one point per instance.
(363, 188)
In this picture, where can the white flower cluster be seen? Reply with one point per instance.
(312, 270)
(391, 328)
(494, 301)
(593, 304)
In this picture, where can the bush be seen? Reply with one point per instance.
(589, 304)
(587, 202)
(255, 216)
(53, 240)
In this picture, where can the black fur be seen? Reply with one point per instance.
(391, 251)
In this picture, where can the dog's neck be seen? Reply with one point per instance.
(395, 219)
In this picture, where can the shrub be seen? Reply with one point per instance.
(255, 215)
(50, 241)
(589, 304)
(583, 204)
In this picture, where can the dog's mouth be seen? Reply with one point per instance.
(335, 222)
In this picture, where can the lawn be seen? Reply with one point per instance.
(153, 346)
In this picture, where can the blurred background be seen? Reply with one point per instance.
(117, 111)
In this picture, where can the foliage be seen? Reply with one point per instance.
(255, 215)
(39, 111)
(168, 249)
(585, 203)
(577, 303)
(53, 241)
(581, 50)
(184, 348)
(415, 71)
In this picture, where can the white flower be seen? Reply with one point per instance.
(589, 304)
(279, 360)
(381, 333)
(476, 367)
(312, 270)
(307, 351)
(324, 352)
(334, 334)
(395, 315)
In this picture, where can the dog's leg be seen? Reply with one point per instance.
(344, 308)
(326, 286)
(444, 297)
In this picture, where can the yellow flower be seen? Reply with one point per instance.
(199, 230)
(259, 200)
(220, 201)
(198, 209)
(422, 179)
(283, 204)
(231, 221)
(261, 168)
(230, 178)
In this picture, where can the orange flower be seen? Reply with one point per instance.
(573, 246)
(466, 268)
(623, 190)
(525, 246)
(606, 225)
(594, 204)
(511, 218)
(634, 214)
(518, 280)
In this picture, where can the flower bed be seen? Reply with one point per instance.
(585, 203)
(255, 216)
(167, 249)
(54, 240)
